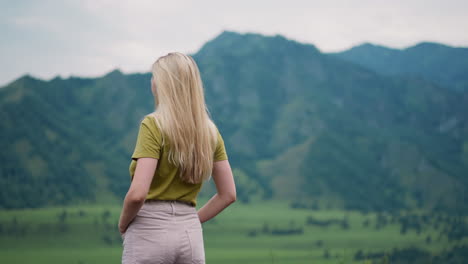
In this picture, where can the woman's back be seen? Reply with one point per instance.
(166, 183)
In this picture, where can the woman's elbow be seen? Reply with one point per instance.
(227, 197)
(234, 198)
(136, 197)
(231, 197)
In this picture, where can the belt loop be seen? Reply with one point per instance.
(173, 207)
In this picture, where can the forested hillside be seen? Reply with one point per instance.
(442, 64)
(298, 124)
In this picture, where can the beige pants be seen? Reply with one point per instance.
(164, 232)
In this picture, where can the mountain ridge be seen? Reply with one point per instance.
(440, 63)
(364, 139)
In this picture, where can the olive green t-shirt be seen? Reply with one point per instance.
(166, 184)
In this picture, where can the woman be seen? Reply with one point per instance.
(177, 149)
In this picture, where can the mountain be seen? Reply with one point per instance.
(445, 65)
(307, 124)
(67, 140)
(298, 124)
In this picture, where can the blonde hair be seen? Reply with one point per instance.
(182, 115)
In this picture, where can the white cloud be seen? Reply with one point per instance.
(91, 37)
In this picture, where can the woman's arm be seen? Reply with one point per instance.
(138, 190)
(226, 191)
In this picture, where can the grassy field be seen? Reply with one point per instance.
(241, 234)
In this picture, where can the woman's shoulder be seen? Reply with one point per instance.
(149, 120)
(146, 118)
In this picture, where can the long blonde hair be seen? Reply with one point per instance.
(182, 115)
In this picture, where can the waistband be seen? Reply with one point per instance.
(152, 208)
(154, 201)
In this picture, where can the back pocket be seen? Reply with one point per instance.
(196, 244)
(150, 246)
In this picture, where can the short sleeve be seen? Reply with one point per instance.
(220, 152)
(148, 143)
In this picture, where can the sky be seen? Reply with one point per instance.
(88, 38)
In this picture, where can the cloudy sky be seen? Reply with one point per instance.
(46, 38)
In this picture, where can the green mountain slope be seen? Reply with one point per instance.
(65, 141)
(298, 125)
(442, 64)
(283, 94)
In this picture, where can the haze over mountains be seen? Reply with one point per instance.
(442, 64)
(370, 128)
